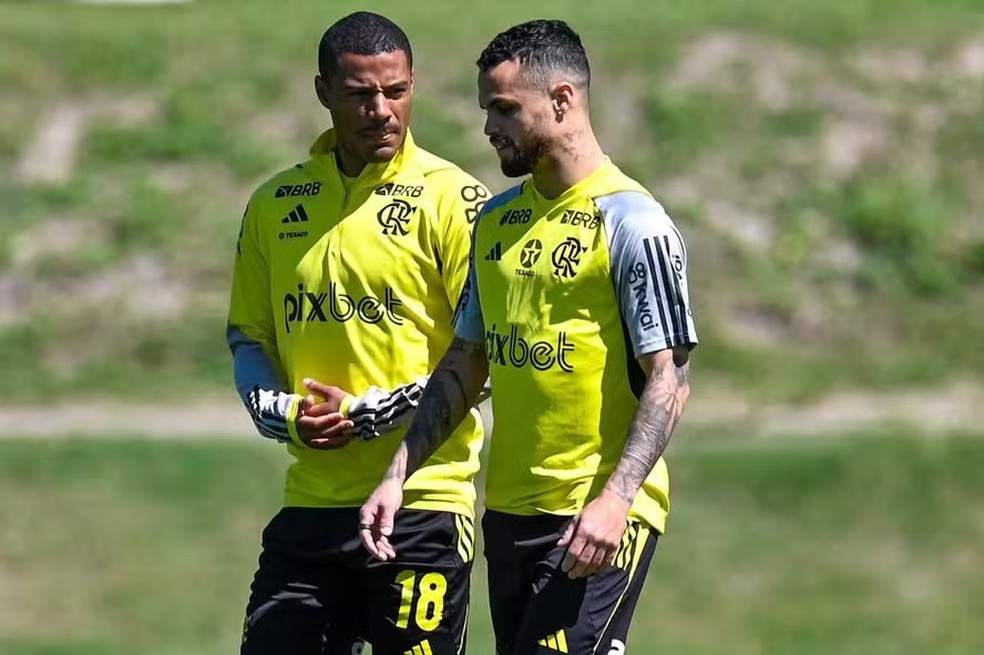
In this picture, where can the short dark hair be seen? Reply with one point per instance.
(542, 47)
(360, 33)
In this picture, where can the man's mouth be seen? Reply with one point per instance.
(378, 133)
(500, 143)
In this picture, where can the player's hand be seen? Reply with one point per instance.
(376, 518)
(319, 423)
(593, 536)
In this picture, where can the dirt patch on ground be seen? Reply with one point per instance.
(49, 156)
(57, 236)
(119, 289)
(956, 408)
(770, 70)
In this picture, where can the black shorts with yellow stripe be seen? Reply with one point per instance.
(318, 592)
(537, 609)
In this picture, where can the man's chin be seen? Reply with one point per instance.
(382, 153)
(514, 168)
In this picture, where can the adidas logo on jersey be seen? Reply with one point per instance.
(557, 642)
(423, 648)
(295, 215)
(495, 255)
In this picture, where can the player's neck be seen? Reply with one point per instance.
(350, 165)
(577, 156)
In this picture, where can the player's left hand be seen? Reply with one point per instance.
(377, 516)
(593, 536)
(320, 423)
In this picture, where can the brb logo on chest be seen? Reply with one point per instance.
(393, 189)
(516, 217)
(309, 189)
(580, 219)
(308, 307)
(394, 217)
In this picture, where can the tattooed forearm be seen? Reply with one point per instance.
(452, 390)
(660, 407)
(398, 467)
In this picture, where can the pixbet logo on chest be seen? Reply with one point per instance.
(513, 350)
(306, 306)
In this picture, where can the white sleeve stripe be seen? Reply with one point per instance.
(373, 421)
(660, 297)
(373, 426)
(258, 412)
(679, 300)
(670, 292)
(409, 392)
(387, 414)
(271, 419)
(268, 423)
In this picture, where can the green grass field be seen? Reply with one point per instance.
(862, 545)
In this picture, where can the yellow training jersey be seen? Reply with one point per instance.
(352, 282)
(566, 294)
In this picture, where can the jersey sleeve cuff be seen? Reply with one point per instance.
(345, 405)
(291, 421)
(652, 346)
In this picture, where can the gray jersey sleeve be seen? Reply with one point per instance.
(469, 324)
(649, 271)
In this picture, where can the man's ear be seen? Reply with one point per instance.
(562, 99)
(323, 91)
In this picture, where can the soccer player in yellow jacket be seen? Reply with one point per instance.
(577, 303)
(348, 269)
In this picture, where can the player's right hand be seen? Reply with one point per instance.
(377, 516)
(321, 426)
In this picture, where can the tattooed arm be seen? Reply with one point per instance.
(594, 535)
(453, 389)
(660, 407)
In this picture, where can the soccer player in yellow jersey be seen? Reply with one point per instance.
(577, 304)
(348, 269)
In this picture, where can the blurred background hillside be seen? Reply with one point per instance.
(824, 160)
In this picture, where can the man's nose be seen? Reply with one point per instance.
(379, 108)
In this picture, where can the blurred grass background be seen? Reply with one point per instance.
(822, 159)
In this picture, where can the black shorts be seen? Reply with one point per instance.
(318, 592)
(537, 609)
